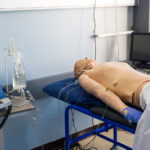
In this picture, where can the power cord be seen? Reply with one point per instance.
(93, 139)
(116, 19)
(94, 19)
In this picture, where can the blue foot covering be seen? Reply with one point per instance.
(131, 114)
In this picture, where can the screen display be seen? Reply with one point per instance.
(140, 47)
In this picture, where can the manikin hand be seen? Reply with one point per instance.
(131, 114)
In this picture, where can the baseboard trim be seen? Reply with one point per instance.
(55, 145)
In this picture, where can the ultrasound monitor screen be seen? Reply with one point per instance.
(140, 47)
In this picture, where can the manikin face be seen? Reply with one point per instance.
(83, 64)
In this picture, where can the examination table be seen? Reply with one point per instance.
(70, 91)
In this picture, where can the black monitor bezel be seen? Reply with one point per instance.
(131, 46)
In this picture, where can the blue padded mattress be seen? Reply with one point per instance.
(70, 91)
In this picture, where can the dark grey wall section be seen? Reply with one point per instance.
(141, 16)
(35, 86)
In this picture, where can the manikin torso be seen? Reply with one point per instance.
(120, 78)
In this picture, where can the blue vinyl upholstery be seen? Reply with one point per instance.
(69, 90)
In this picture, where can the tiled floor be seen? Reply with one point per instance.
(123, 136)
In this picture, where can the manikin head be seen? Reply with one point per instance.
(82, 65)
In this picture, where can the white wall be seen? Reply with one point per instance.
(47, 33)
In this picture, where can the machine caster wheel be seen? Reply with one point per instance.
(114, 148)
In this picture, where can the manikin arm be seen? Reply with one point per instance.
(99, 91)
